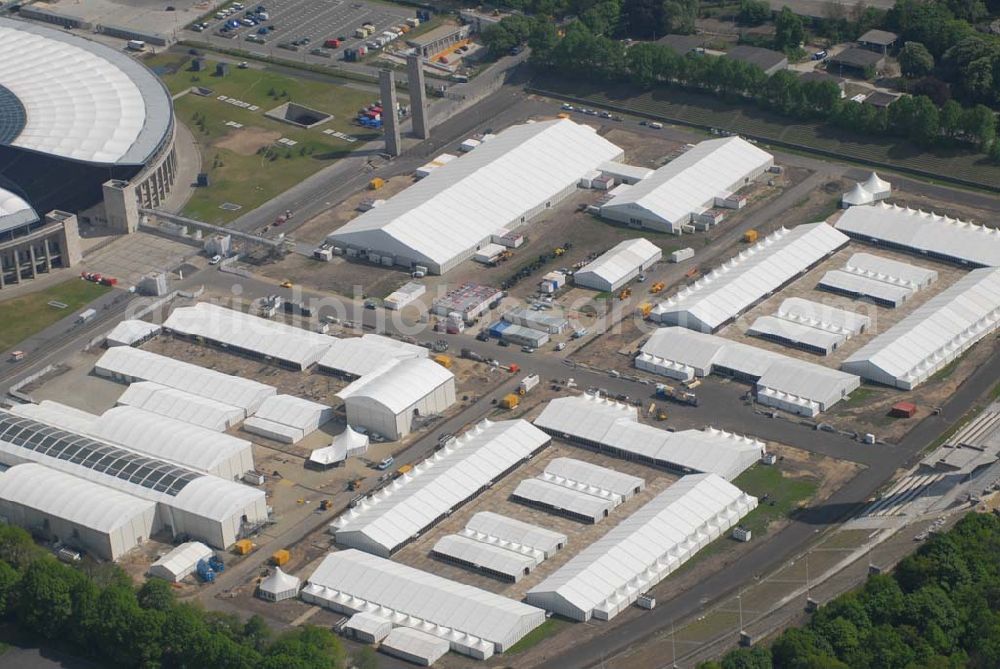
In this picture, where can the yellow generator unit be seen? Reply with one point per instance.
(750, 236)
(443, 360)
(645, 309)
(510, 401)
(281, 557)
(376, 183)
(243, 547)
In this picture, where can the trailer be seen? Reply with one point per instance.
(676, 395)
(527, 383)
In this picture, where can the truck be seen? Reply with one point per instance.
(676, 395)
(527, 383)
(86, 315)
(471, 355)
(135, 45)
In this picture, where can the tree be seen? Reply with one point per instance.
(678, 16)
(788, 30)
(753, 12)
(45, 601)
(641, 18)
(915, 60)
(9, 581)
(603, 18)
(256, 632)
(365, 659)
(752, 658)
(510, 32)
(17, 548)
(951, 118)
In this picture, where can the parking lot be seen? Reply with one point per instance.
(309, 23)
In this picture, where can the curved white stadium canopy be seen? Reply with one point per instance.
(81, 100)
(14, 211)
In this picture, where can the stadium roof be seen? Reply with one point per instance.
(15, 212)
(136, 364)
(513, 534)
(621, 261)
(924, 232)
(70, 498)
(464, 202)
(355, 581)
(616, 427)
(252, 334)
(399, 384)
(358, 356)
(933, 334)
(756, 272)
(691, 182)
(78, 99)
(390, 517)
(644, 548)
(180, 405)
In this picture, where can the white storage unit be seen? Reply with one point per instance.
(405, 295)
(491, 559)
(75, 511)
(249, 335)
(488, 253)
(474, 622)
(790, 384)
(442, 220)
(348, 443)
(182, 561)
(727, 291)
(415, 646)
(593, 479)
(622, 173)
(128, 365)
(563, 500)
(615, 268)
(934, 334)
(513, 534)
(357, 356)
(131, 333)
(615, 428)
(609, 575)
(57, 414)
(180, 405)
(388, 400)
(288, 416)
(392, 517)
(688, 185)
(279, 586)
(923, 232)
(201, 506)
(367, 627)
(680, 255)
(200, 449)
(537, 320)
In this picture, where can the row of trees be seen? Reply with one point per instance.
(940, 609)
(97, 613)
(582, 54)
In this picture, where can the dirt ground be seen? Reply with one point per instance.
(247, 141)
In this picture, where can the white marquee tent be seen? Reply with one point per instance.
(180, 405)
(616, 267)
(279, 586)
(287, 418)
(180, 562)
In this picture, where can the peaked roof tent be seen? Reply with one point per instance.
(875, 185)
(344, 445)
(857, 196)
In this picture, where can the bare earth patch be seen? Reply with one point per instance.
(247, 141)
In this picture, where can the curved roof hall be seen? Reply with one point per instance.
(66, 96)
(14, 210)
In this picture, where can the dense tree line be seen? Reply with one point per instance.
(96, 612)
(940, 609)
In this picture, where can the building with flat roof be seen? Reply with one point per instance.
(855, 61)
(879, 41)
(436, 40)
(766, 59)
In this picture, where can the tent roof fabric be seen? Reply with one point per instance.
(344, 444)
(587, 476)
(820, 338)
(268, 338)
(936, 331)
(859, 284)
(617, 426)
(398, 384)
(890, 271)
(876, 185)
(924, 232)
(440, 483)
(644, 541)
(737, 284)
(293, 411)
(174, 440)
(487, 556)
(858, 195)
(180, 405)
(73, 499)
(182, 559)
(494, 528)
(368, 622)
(464, 202)
(82, 100)
(822, 316)
(278, 582)
(58, 415)
(130, 331)
(563, 497)
(445, 608)
(414, 643)
(143, 365)
(617, 263)
(358, 356)
(690, 182)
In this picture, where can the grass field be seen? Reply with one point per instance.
(784, 494)
(22, 317)
(706, 110)
(549, 628)
(238, 172)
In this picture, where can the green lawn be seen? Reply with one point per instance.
(784, 495)
(549, 628)
(860, 397)
(238, 172)
(22, 317)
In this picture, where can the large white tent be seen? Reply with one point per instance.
(180, 562)
(514, 534)
(279, 586)
(356, 356)
(934, 334)
(248, 334)
(475, 622)
(497, 561)
(923, 232)
(388, 399)
(752, 275)
(131, 333)
(464, 467)
(414, 646)
(689, 184)
(812, 326)
(610, 574)
(615, 428)
(75, 511)
(287, 418)
(616, 267)
(57, 414)
(444, 218)
(781, 381)
(592, 479)
(128, 365)
(180, 405)
(564, 500)
(348, 443)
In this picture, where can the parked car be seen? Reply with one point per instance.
(386, 463)
(820, 55)
(215, 260)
